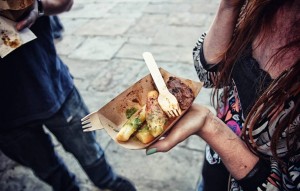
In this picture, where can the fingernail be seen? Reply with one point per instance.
(151, 151)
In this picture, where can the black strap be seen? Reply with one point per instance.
(256, 177)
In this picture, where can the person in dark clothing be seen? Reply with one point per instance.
(38, 91)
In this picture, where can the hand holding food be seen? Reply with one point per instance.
(117, 115)
(151, 121)
(29, 19)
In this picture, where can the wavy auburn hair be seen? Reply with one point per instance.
(256, 19)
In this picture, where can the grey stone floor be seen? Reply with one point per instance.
(103, 44)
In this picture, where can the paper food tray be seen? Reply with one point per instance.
(112, 116)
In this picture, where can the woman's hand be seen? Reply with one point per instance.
(220, 33)
(191, 123)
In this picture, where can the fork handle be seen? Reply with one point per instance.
(155, 73)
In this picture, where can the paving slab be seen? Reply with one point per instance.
(88, 10)
(105, 27)
(177, 36)
(129, 7)
(69, 44)
(167, 7)
(188, 19)
(148, 25)
(161, 53)
(157, 172)
(72, 24)
(97, 48)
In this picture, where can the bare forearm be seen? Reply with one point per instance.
(220, 32)
(237, 158)
(53, 7)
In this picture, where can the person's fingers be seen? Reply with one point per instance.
(189, 124)
(20, 25)
(28, 21)
(182, 130)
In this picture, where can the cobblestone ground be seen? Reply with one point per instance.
(102, 44)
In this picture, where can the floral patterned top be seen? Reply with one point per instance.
(275, 176)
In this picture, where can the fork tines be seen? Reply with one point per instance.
(86, 123)
(91, 122)
(174, 113)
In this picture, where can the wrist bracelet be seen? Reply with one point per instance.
(256, 177)
(40, 8)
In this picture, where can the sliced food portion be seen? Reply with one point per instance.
(181, 91)
(144, 135)
(132, 124)
(155, 116)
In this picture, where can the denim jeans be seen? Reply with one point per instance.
(200, 186)
(32, 147)
(57, 27)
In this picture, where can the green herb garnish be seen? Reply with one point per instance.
(130, 112)
(136, 123)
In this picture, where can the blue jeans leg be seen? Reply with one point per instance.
(32, 147)
(57, 27)
(66, 126)
(200, 186)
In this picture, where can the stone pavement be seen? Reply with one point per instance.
(103, 44)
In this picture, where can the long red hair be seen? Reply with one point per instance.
(256, 19)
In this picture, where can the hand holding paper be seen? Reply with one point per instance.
(11, 39)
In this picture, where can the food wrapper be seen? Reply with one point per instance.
(11, 39)
(112, 116)
(15, 9)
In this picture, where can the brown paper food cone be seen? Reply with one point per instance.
(112, 115)
(16, 9)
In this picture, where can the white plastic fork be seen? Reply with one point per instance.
(91, 122)
(166, 100)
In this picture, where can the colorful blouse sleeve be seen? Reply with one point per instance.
(286, 176)
(272, 175)
(206, 72)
